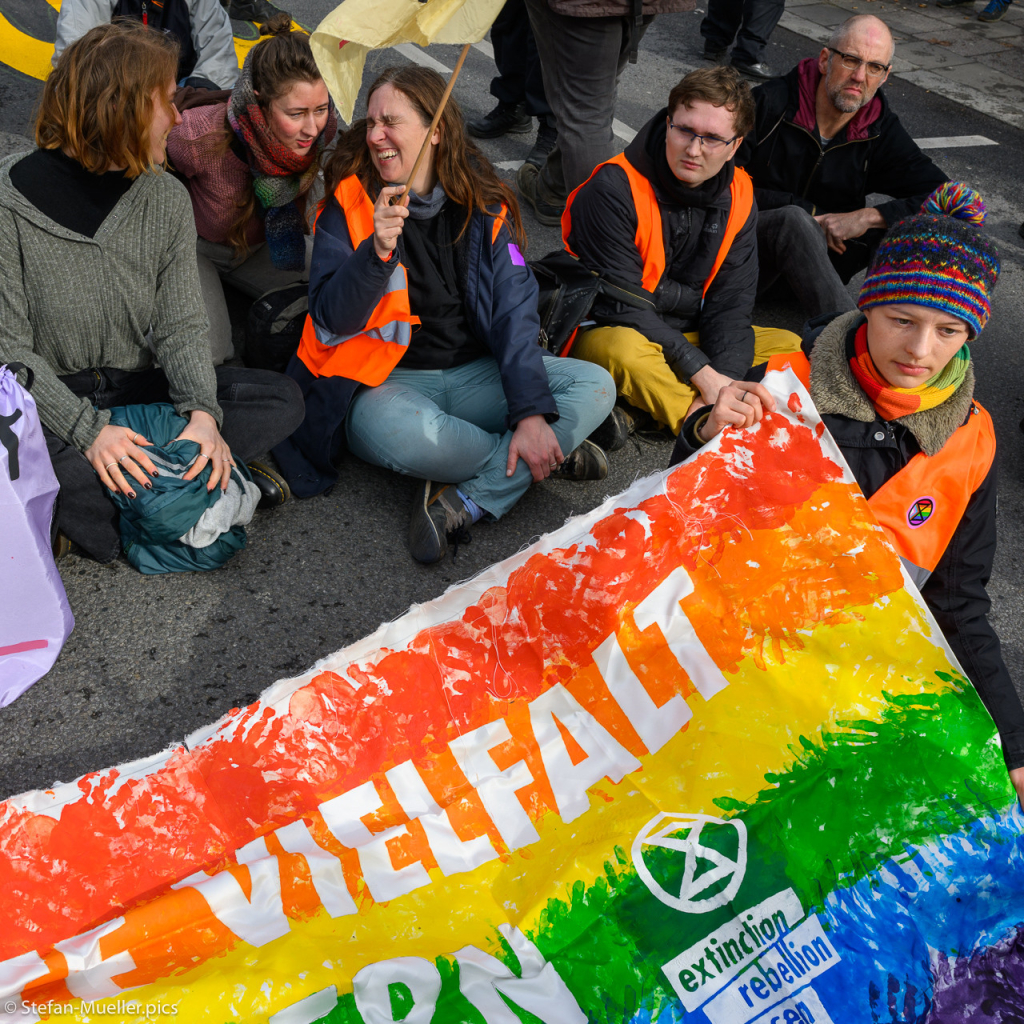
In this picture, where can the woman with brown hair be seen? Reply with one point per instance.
(98, 285)
(249, 165)
(421, 348)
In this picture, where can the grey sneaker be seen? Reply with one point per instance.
(437, 515)
(587, 462)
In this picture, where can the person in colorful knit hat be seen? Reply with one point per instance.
(249, 165)
(894, 383)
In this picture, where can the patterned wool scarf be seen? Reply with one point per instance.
(892, 403)
(279, 175)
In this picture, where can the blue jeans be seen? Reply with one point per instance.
(450, 425)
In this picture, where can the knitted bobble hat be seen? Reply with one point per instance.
(937, 258)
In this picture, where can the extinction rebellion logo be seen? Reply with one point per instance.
(711, 852)
(920, 512)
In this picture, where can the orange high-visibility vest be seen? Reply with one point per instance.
(650, 241)
(369, 355)
(921, 506)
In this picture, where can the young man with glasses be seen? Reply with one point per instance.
(824, 139)
(673, 216)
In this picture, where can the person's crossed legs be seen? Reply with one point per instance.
(450, 425)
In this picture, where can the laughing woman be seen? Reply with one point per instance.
(249, 165)
(421, 349)
(894, 383)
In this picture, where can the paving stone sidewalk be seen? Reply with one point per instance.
(948, 52)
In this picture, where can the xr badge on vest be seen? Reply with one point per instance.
(920, 512)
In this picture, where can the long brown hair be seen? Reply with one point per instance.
(465, 174)
(97, 104)
(276, 64)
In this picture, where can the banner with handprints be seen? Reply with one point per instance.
(700, 755)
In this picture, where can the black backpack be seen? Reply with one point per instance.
(170, 16)
(274, 326)
(568, 290)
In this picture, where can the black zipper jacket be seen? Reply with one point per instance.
(956, 591)
(604, 223)
(872, 154)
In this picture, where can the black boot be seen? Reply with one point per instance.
(504, 118)
(547, 136)
(274, 489)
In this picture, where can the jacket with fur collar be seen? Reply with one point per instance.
(875, 450)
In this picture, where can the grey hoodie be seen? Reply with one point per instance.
(70, 303)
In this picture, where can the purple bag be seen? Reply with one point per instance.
(35, 618)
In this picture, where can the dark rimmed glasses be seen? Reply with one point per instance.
(709, 142)
(852, 62)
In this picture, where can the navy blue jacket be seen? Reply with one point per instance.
(345, 285)
(500, 298)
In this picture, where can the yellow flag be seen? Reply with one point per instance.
(341, 41)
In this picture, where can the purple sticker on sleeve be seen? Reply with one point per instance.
(517, 256)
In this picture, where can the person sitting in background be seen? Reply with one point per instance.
(249, 165)
(206, 55)
(674, 216)
(420, 351)
(99, 294)
(894, 383)
(824, 138)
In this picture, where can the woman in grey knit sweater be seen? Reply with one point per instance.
(98, 285)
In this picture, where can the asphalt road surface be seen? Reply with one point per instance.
(152, 658)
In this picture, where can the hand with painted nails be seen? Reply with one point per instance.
(118, 459)
(213, 450)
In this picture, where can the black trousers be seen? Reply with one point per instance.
(260, 408)
(515, 54)
(749, 22)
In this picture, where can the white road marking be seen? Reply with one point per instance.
(954, 141)
(627, 134)
(623, 131)
(412, 52)
(509, 165)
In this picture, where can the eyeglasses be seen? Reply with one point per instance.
(852, 62)
(711, 142)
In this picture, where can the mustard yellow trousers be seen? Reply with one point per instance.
(643, 377)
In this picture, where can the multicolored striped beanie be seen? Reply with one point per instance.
(937, 258)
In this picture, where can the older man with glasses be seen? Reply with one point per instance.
(824, 139)
(673, 216)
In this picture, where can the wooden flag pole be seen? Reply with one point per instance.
(401, 197)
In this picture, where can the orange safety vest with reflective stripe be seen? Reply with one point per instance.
(369, 355)
(921, 506)
(650, 241)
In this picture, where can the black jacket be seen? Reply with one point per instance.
(872, 154)
(955, 592)
(604, 224)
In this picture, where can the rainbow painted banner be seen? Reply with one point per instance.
(700, 755)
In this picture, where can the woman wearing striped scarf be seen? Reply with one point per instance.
(249, 165)
(894, 383)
